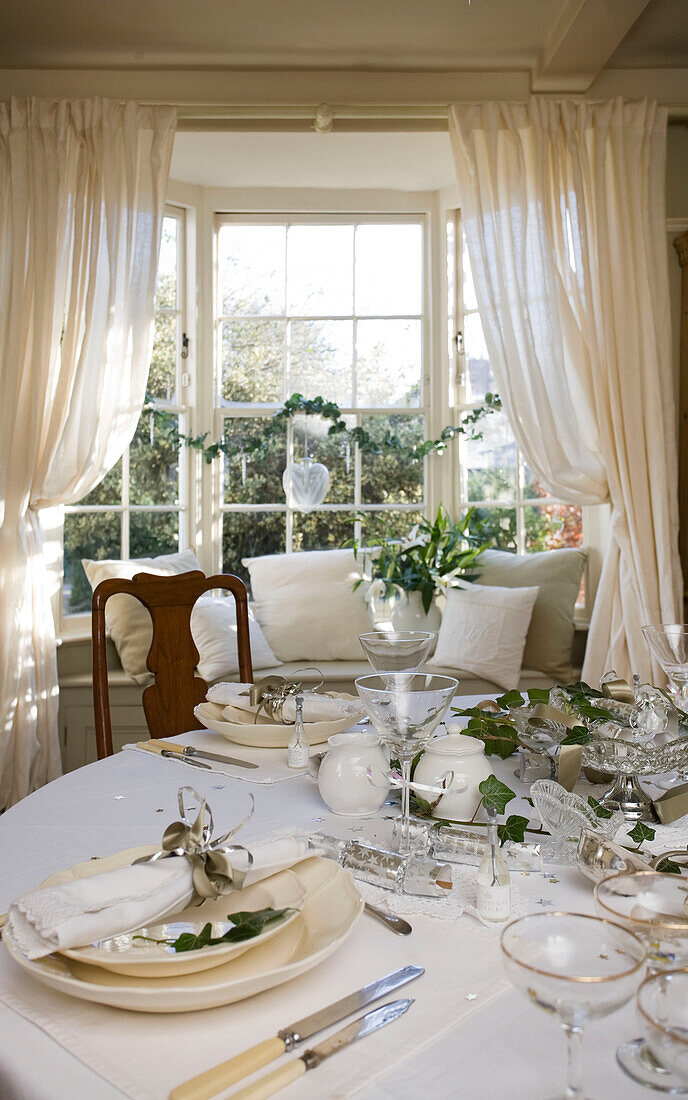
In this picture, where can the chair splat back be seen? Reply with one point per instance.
(168, 702)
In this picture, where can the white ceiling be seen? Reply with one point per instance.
(563, 44)
(395, 161)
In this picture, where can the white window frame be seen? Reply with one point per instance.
(201, 485)
(77, 625)
(226, 411)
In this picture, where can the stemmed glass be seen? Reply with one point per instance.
(397, 650)
(662, 1009)
(574, 966)
(669, 645)
(405, 710)
(655, 907)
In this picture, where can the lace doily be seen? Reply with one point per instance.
(461, 900)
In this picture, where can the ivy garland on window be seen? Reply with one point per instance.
(257, 442)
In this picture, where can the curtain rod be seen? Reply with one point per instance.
(325, 117)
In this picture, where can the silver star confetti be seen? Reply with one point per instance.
(119, 796)
(545, 903)
(471, 996)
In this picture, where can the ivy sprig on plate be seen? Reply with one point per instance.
(245, 925)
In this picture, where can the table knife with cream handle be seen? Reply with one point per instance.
(220, 1077)
(311, 1059)
(188, 753)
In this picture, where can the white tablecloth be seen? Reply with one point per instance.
(468, 1034)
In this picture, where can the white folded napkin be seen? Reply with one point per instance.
(316, 707)
(78, 913)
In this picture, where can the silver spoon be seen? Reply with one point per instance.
(394, 923)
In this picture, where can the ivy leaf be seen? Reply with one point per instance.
(641, 832)
(499, 738)
(510, 699)
(495, 794)
(668, 867)
(514, 828)
(600, 811)
(245, 925)
(538, 695)
(577, 736)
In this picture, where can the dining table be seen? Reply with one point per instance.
(469, 1034)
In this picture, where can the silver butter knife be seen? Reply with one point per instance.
(311, 1059)
(189, 750)
(228, 1073)
(183, 759)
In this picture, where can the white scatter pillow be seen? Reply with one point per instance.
(213, 625)
(128, 621)
(306, 604)
(484, 631)
(213, 620)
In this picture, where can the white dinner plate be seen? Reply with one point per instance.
(330, 909)
(265, 734)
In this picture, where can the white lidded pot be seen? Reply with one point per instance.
(465, 757)
(343, 780)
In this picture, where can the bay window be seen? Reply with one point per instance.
(348, 306)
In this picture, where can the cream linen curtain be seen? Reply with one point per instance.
(563, 208)
(82, 192)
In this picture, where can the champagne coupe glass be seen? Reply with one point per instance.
(576, 967)
(654, 906)
(662, 1009)
(405, 710)
(397, 650)
(668, 644)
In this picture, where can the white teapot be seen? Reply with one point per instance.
(465, 757)
(343, 780)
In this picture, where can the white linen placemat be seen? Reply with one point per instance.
(272, 763)
(146, 1056)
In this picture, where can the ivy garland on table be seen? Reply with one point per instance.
(256, 442)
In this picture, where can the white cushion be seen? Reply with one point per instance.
(484, 631)
(213, 620)
(213, 625)
(128, 621)
(306, 604)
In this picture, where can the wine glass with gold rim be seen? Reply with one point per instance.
(655, 907)
(575, 967)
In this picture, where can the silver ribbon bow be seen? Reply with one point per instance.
(212, 861)
(270, 693)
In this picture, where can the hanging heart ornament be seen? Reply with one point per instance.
(305, 483)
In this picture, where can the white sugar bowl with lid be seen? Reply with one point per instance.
(465, 757)
(343, 781)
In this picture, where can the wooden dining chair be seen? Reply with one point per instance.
(168, 702)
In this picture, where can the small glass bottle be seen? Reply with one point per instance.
(494, 892)
(298, 752)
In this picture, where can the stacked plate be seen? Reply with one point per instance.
(266, 733)
(144, 976)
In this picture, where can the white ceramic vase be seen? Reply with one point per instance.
(410, 614)
(463, 755)
(343, 780)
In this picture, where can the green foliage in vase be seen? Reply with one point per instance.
(433, 555)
